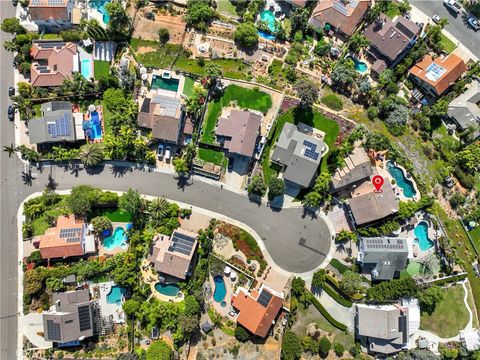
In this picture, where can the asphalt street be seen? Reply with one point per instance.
(457, 24)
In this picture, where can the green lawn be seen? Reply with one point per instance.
(213, 156)
(118, 216)
(450, 315)
(475, 235)
(101, 69)
(477, 181)
(160, 57)
(226, 7)
(188, 86)
(447, 44)
(51, 37)
(296, 115)
(392, 10)
(40, 224)
(245, 98)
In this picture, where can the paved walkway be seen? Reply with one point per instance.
(346, 315)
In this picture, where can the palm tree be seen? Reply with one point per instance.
(158, 209)
(10, 149)
(91, 154)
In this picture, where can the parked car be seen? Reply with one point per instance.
(474, 23)
(436, 19)
(11, 91)
(168, 153)
(160, 152)
(11, 112)
(231, 161)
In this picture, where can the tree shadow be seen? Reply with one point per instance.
(51, 184)
(183, 182)
(95, 170)
(256, 199)
(120, 171)
(27, 178)
(303, 115)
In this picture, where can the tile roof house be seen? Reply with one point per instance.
(297, 3)
(343, 15)
(163, 115)
(435, 76)
(371, 206)
(464, 110)
(239, 132)
(257, 309)
(51, 13)
(390, 41)
(387, 329)
(173, 255)
(358, 167)
(383, 257)
(67, 239)
(71, 319)
(56, 125)
(53, 62)
(299, 153)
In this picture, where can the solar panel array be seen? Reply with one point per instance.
(47, 3)
(434, 72)
(84, 317)
(50, 44)
(404, 30)
(53, 331)
(71, 234)
(311, 150)
(168, 104)
(61, 127)
(380, 244)
(181, 243)
(342, 8)
(264, 298)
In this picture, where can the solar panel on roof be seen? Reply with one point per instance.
(404, 30)
(84, 317)
(264, 298)
(181, 243)
(168, 104)
(52, 129)
(69, 232)
(73, 240)
(311, 150)
(53, 331)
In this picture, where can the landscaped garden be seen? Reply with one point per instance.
(216, 157)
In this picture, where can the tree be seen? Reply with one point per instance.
(91, 154)
(199, 14)
(257, 186)
(131, 307)
(457, 200)
(312, 200)
(79, 201)
(241, 334)
(469, 157)
(343, 76)
(246, 35)
(291, 346)
(320, 192)
(32, 282)
(159, 350)
(339, 349)
(393, 290)
(404, 7)
(130, 202)
(118, 27)
(163, 36)
(55, 284)
(213, 71)
(12, 26)
(181, 166)
(101, 224)
(298, 287)
(430, 297)
(275, 188)
(188, 324)
(158, 209)
(352, 283)
(358, 42)
(397, 119)
(318, 278)
(196, 101)
(324, 347)
(307, 91)
(344, 236)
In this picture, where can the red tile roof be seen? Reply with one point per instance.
(449, 69)
(253, 316)
(48, 10)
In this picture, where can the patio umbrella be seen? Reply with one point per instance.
(143, 70)
(327, 27)
(472, 224)
(144, 77)
(233, 275)
(227, 270)
(91, 107)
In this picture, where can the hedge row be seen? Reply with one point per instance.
(325, 313)
(447, 280)
(335, 295)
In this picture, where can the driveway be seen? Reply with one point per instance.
(236, 177)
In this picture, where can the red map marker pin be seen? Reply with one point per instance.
(377, 181)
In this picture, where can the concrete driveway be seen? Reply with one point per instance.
(236, 177)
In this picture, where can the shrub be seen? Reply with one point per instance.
(333, 102)
(159, 350)
(339, 349)
(241, 334)
(324, 347)
(291, 347)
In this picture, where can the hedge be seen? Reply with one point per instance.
(325, 313)
(447, 280)
(335, 295)
(336, 286)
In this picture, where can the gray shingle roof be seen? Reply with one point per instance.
(56, 125)
(464, 109)
(357, 167)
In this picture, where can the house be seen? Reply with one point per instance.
(72, 318)
(390, 41)
(163, 115)
(342, 16)
(173, 255)
(387, 329)
(435, 76)
(358, 167)
(53, 62)
(51, 14)
(297, 3)
(238, 132)
(465, 109)
(58, 124)
(470, 338)
(299, 153)
(368, 206)
(383, 257)
(68, 238)
(257, 309)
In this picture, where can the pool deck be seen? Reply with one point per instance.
(398, 190)
(150, 276)
(159, 73)
(104, 251)
(113, 310)
(229, 285)
(410, 235)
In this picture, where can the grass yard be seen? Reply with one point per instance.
(447, 44)
(296, 115)
(475, 235)
(101, 69)
(477, 181)
(392, 10)
(188, 86)
(40, 224)
(51, 37)
(225, 7)
(232, 68)
(159, 57)
(245, 98)
(213, 156)
(450, 315)
(118, 216)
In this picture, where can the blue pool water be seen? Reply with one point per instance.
(421, 236)
(118, 239)
(167, 289)
(360, 66)
(115, 295)
(100, 6)
(265, 35)
(86, 69)
(96, 126)
(269, 18)
(405, 184)
(220, 289)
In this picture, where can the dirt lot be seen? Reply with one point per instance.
(148, 29)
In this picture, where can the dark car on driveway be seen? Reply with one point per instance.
(231, 161)
(11, 112)
(11, 91)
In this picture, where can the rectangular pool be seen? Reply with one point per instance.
(159, 82)
(86, 69)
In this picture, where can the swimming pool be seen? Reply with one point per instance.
(86, 69)
(265, 35)
(360, 66)
(220, 289)
(421, 236)
(170, 84)
(118, 239)
(115, 295)
(405, 184)
(269, 17)
(167, 289)
(96, 126)
(100, 6)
